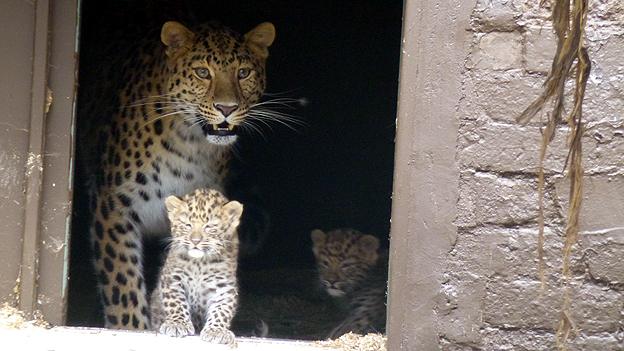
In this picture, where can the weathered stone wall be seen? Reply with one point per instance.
(491, 297)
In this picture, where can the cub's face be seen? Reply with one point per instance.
(343, 258)
(203, 223)
(216, 75)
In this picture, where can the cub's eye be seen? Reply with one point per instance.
(203, 73)
(210, 230)
(243, 73)
(188, 226)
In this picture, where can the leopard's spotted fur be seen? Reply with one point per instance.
(170, 122)
(197, 287)
(352, 271)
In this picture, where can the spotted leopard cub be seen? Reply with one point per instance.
(197, 287)
(353, 273)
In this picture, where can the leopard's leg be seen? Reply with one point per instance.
(219, 315)
(357, 321)
(156, 309)
(117, 249)
(176, 318)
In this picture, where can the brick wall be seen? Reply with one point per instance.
(491, 297)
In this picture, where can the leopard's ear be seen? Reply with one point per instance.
(368, 245)
(177, 38)
(174, 203)
(235, 210)
(260, 38)
(318, 237)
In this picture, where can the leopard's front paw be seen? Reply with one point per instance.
(217, 335)
(177, 329)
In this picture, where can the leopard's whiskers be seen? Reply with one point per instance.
(174, 113)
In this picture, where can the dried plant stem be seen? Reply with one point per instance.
(569, 24)
(546, 137)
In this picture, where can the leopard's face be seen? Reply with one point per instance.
(203, 223)
(216, 75)
(343, 258)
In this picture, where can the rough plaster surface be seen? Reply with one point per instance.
(490, 297)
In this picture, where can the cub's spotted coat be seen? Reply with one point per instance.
(197, 287)
(352, 272)
(170, 123)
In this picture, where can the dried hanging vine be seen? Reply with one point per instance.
(569, 20)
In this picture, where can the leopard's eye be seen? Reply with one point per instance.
(188, 226)
(243, 73)
(202, 72)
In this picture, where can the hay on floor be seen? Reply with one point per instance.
(12, 318)
(355, 342)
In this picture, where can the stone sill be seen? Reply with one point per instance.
(90, 339)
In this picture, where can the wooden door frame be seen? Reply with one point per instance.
(435, 40)
(40, 71)
(425, 180)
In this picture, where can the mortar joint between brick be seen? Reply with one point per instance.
(617, 286)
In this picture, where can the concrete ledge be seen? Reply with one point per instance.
(64, 338)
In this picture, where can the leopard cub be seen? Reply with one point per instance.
(197, 287)
(353, 273)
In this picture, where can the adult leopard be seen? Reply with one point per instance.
(169, 130)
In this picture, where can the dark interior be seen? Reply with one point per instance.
(340, 59)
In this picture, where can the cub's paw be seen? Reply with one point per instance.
(218, 335)
(176, 329)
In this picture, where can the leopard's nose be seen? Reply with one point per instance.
(196, 239)
(226, 110)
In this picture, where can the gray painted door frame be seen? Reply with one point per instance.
(39, 69)
(37, 95)
(435, 41)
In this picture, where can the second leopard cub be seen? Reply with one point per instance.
(354, 273)
(197, 287)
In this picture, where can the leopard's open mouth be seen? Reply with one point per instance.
(223, 129)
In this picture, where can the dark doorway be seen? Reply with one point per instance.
(340, 60)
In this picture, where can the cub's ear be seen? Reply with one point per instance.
(318, 237)
(260, 38)
(368, 247)
(234, 209)
(177, 38)
(174, 203)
